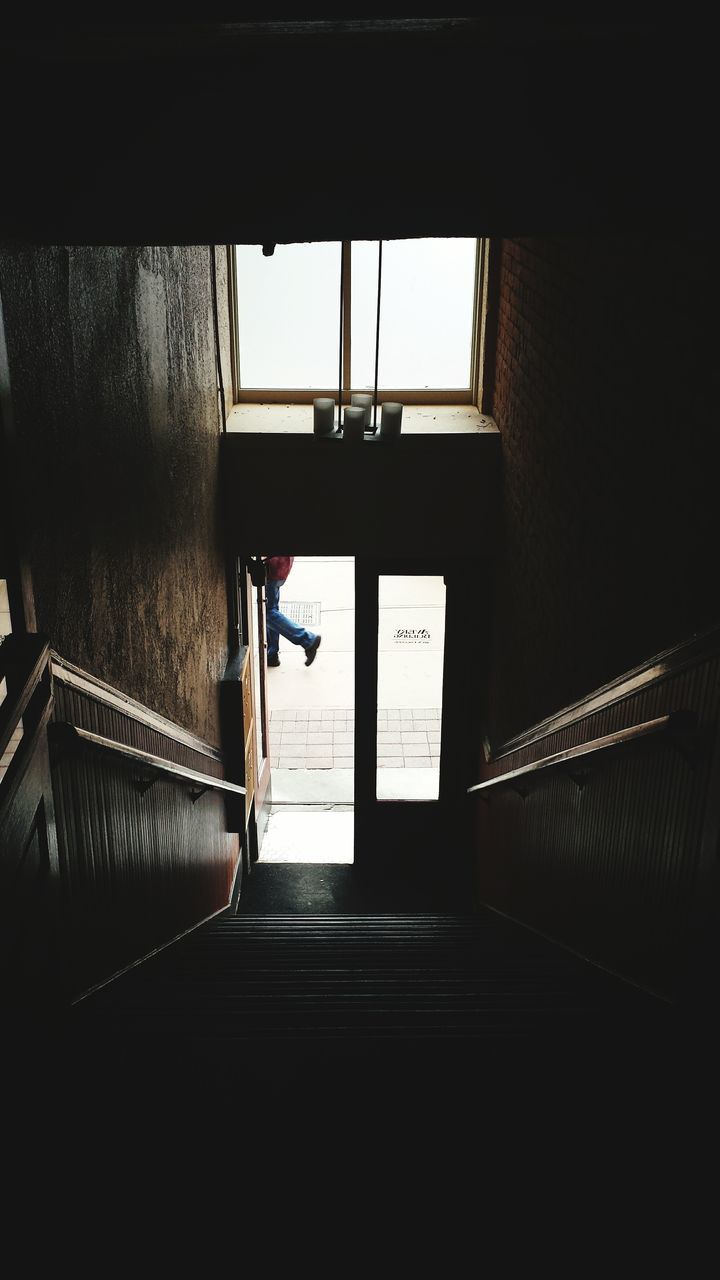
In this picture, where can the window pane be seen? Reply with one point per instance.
(426, 318)
(411, 644)
(289, 315)
(5, 623)
(6, 630)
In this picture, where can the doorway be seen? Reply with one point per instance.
(350, 764)
(311, 719)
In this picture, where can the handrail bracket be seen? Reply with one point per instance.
(143, 784)
(579, 777)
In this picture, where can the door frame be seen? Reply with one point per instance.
(255, 637)
(418, 842)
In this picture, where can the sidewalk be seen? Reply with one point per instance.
(314, 739)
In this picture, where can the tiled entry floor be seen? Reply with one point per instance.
(315, 739)
(317, 833)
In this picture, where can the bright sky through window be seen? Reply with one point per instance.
(426, 315)
(289, 303)
(289, 315)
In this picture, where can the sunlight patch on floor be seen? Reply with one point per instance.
(309, 836)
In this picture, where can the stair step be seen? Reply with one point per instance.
(365, 976)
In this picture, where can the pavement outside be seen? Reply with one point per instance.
(314, 739)
(314, 833)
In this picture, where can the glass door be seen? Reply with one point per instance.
(258, 759)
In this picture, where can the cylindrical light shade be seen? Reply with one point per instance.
(323, 416)
(391, 420)
(365, 402)
(354, 422)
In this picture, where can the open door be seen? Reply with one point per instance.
(255, 704)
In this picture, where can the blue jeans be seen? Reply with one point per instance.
(278, 625)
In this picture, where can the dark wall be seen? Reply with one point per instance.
(112, 363)
(606, 394)
(418, 496)
(506, 124)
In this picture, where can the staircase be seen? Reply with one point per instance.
(386, 1007)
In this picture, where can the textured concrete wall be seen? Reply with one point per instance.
(112, 360)
(606, 399)
(224, 334)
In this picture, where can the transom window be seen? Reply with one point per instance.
(312, 317)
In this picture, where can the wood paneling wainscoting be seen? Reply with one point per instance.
(614, 853)
(139, 864)
(31, 962)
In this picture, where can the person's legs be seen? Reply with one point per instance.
(279, 625)
(272, 595)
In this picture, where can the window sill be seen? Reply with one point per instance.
(418, 420)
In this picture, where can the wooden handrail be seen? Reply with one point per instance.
(675, 720)
(69, 733)
(680, 657)
(91, 686)
(36, 653)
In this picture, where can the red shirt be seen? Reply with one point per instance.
(278, 567)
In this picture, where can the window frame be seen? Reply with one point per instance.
(471, 395)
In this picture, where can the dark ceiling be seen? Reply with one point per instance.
(280, 130)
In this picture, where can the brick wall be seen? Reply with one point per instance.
(606, 398)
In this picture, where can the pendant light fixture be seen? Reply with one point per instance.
(324, 419)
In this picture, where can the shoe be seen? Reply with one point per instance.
(310, 653)
(274, 661)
